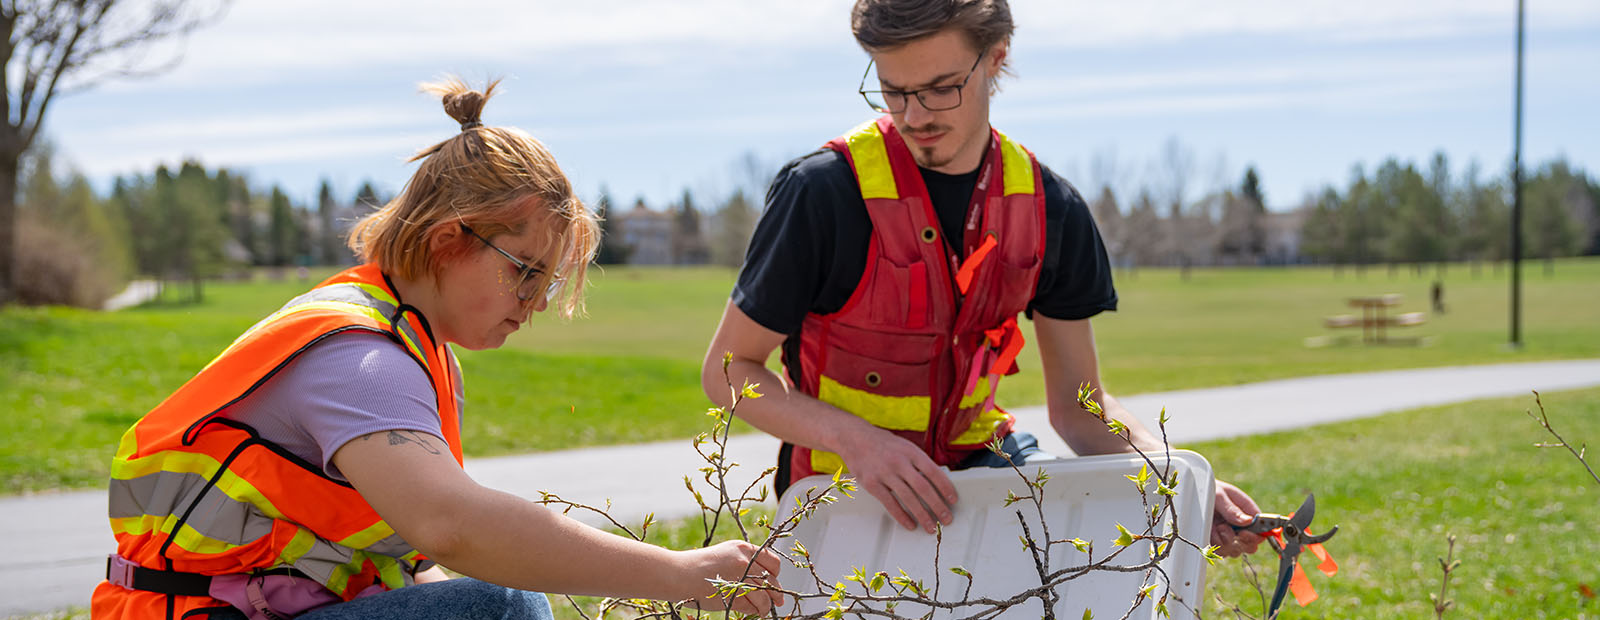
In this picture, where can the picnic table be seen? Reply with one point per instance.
(1375, 319)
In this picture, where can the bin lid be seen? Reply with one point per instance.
(1085, 497)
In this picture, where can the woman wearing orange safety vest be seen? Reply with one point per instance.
(313, 469)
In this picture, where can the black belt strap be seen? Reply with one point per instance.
(179, 583)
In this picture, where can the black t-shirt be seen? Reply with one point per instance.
(810, 248)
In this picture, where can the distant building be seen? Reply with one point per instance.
(647, 234)
(1283, 237)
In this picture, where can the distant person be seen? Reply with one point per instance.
(315, 467)
(1437, 294)
(891, 266)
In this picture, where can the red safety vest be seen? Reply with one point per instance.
(192, 492)
(922, 342)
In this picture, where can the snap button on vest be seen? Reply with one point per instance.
(873, 379)
(929, 235)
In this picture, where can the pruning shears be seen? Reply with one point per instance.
(1289, 535)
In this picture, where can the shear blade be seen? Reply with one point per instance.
(1302, 516)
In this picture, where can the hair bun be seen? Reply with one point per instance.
(461, 102)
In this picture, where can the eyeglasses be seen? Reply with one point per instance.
(528, 276)
(932, 98)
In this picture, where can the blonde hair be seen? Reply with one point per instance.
(493, 179)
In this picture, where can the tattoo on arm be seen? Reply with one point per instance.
(397, 438)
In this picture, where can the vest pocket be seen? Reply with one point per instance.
(899, 295)
(887, 394)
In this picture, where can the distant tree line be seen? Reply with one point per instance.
(680, 233)
(185, 226)
(193, 224)
(1396, 214)
(1402, 214)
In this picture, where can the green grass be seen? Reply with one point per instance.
(1398, 485)
(72, 381)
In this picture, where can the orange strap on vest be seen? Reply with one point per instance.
(970, 266)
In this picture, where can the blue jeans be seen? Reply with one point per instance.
(463, 598)
(1020, 447)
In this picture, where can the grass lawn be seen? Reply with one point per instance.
(1397, 486)
(72, 381)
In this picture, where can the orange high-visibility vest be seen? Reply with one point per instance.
(196, 493)
(920, 346)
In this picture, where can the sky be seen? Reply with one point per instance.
(650, 98)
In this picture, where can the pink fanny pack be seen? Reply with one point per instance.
(278, 594)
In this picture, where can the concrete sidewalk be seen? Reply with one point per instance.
(56, 552)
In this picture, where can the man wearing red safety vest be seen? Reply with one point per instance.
(891, 265)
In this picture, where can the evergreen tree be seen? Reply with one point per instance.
(735, 222)
(198, 249)
(367, 200)
(613, 251)
(688, 238)
(280, 232)
(330, 250)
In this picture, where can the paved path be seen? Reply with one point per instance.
(138, 292)
(56, 548)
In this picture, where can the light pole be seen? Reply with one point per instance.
(1516, 200)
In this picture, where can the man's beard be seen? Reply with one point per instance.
(926, 157)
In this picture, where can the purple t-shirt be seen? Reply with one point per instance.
(348, 385)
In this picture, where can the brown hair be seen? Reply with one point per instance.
(886, 24)
(493, 179)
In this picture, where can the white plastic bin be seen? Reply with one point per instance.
(1085, 498)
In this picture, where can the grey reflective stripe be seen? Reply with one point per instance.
(351, 293)
(346, 292)
(225, 519)
(217, 516)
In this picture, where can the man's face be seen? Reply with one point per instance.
(949, 141)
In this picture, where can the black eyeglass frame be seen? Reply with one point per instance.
(905, 95)
(524, 270)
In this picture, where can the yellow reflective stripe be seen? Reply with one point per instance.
(871, 159)
(236, 488)
(339, 579)
(389, 570)
(187, 538)
(1018, 167)
(140, 525)
(405, 336)
(298, 546)
(368, 537)
(336, 306)
(982, 428)
(895, 413)
(375, 291)
(127, 445)
(165, 461)
(827, 462)
(192, 540)
(984, 425)
(978, 395)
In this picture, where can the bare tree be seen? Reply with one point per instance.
(1172, 175)
(55, 47)
(1108, 218)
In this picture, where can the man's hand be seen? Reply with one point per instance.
(1234, 507)
(915, 491)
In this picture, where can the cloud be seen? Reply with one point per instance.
(279, 40)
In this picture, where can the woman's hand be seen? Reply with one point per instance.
(731, 561)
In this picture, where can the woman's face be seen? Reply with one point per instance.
(478, 303)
